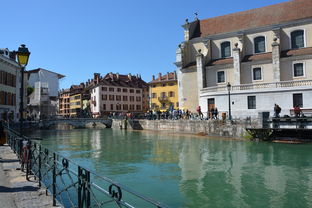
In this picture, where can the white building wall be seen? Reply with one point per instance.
(96, 96)
(265, 101)
(48, 77)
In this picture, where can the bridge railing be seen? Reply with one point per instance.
(73, 185)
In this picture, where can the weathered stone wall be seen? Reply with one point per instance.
(202, 127)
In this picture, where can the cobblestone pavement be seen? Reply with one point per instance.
(15, 190)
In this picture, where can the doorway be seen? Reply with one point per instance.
(211, 105)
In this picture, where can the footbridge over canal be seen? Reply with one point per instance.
(76, 122)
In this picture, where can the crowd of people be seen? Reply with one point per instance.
(172, 114)
(176, 114)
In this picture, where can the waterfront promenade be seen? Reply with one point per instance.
(15, 190)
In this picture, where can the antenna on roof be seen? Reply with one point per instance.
(196, 16)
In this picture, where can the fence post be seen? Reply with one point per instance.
(39, 166)
(79, 188)
(83, 188)
(88, 202)
(54, 180)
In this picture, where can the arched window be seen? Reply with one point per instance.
(297, 39)
(259, 43)
(225, 49)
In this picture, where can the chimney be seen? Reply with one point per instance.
(129, 76)
(82, 85)
(117, 76)
(12, 55)
(96, 78)
(159, 76)
(153, 77)
(186, 27)
(111, 75)
(167, 76)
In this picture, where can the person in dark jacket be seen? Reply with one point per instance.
(277, 110)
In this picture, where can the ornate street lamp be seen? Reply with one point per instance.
(22, 58)
(229, 92)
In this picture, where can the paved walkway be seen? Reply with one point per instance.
(15, 190)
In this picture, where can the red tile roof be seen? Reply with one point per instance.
(221, 61)
(254, 18)
(296, 52)
(257, 57)
(172, 77)
(111, 79)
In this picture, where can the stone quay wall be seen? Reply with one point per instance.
(235, 129)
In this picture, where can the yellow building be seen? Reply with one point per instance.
(75, 104)
(164, 92)
(75, 100)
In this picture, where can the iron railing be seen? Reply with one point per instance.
(73, 185)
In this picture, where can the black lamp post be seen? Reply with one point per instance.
(22, 58)
(229, 92)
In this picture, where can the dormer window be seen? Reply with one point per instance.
(297, 39)
(225, 49)
(259, 44)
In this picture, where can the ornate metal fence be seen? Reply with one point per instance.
(72, 185)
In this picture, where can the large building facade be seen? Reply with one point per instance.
(10, 84)
(263, 58)
(115, 93)
(164, 92)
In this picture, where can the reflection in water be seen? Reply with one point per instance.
(96, 144)
(193, 172)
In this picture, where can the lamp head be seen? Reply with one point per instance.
(228, 86)
(23, 55)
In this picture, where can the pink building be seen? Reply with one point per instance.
(117, 93)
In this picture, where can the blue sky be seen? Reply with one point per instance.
(77, 38)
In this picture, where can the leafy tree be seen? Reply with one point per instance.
(30, 90)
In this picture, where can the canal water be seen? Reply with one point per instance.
(192, 172)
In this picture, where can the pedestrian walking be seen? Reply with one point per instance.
(200, 114)
(277, 110)
(297, 111)
(215, 113)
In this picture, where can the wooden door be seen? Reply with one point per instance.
(211, 105)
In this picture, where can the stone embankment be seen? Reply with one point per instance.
(235, 129)
(15, 190)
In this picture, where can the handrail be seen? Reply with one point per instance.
(78, 187)
(281, 84)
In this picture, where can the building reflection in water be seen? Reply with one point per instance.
(95, 141)
(245, 174)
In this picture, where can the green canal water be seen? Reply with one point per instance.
(193, 172)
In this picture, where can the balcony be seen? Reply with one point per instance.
(163, 99)
(260, 86)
